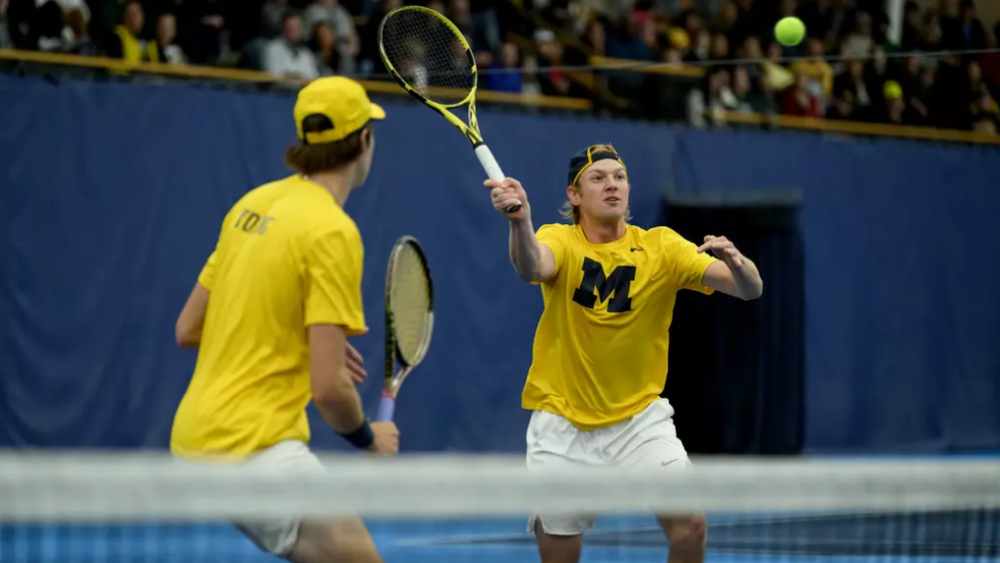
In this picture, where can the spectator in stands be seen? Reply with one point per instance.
(368, 58)
(930, 39)
(751, 51)
(764, 99)
(79, 41)
(819, 71)
(202, 30)
(272, 13)
(841, 108)
(990, 62)
(859, 43)
(876, 74)
(842, 18)
(343, 26)
(779, 76)
(595, 36)
(709, 104)
(506, 75)
(800, 100)
(701, 48)
(126, 43)
(893, 107)
(750, 23)
(166, 36)
(49, 24)
(985, 114)
(922, 100)
(550, 51)
(964, 31)
(911, 80)
(286, 56)
(850, 85)
(817, 17)
(437, 5)
(5, 40)
(530, 82)
(459, 13)
(692, 25)
(741, 91)
(910, 39)
(485, 26)
(720, 48)
(726, 23)
(324, 45)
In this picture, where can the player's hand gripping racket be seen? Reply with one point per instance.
(430, 58)
(409, 317)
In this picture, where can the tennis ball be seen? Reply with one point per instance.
(790, 31)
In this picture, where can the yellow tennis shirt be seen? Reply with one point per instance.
(287, 257)
(600, 351)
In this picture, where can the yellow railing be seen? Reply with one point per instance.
(185, 71)
(858, 128)
(810, 124)
(249, 76)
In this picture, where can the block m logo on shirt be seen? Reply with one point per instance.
(594, 279)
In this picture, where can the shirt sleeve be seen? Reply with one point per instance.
(334, 262)
(207, 276)
(683, 265)
(554, 237)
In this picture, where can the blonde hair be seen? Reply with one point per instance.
(571, 212)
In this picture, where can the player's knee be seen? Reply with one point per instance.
(688, 532)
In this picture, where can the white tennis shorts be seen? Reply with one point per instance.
(278, 536)
(646, 440)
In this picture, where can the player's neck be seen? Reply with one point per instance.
(337, 183)
(601, 232)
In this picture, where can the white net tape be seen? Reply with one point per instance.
(80, 488)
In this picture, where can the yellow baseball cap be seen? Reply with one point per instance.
(342, 101)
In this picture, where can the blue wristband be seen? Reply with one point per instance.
(362, 438)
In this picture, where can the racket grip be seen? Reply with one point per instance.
(386, 408)
(493, 170)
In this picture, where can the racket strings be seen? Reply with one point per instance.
(410, 293)
(429, 55)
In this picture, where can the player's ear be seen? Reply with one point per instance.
(366, 138)
(573, 193)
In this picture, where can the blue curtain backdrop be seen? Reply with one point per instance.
(111, 195)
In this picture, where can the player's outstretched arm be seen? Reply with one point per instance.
(192, 318)
(734, 274)
(533, 261)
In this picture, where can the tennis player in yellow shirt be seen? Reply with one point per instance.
(270, 315)
(600, 351)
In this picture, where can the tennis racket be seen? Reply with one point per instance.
(409, 317)
(430, 58)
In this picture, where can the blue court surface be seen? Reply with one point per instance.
(847, 538)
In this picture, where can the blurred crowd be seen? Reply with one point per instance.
(846, 68)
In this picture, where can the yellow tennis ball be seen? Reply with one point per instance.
(790, 31)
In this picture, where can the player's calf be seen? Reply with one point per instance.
(334, 540)
(557, 548)
(686, 535)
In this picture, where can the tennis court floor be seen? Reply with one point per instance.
(900, 538)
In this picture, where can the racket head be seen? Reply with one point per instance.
(409, 306)
(428, 56)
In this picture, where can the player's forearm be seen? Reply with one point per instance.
(747, 280)
(342, 408)
(525, 253)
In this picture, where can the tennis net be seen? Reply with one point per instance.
(452, 509)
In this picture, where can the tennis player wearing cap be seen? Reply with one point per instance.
(270, 315)
(600, 350)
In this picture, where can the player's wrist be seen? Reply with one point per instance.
(362, 438)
